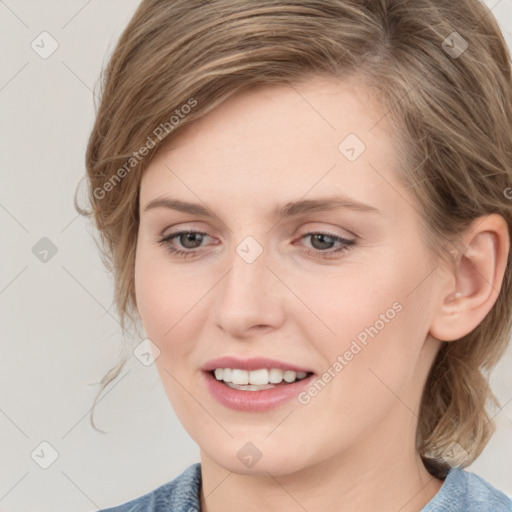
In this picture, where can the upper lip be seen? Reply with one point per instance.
(254, 363)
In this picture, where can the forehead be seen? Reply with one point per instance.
(323, 135)
(315, 109)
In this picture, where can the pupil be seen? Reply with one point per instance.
(322, 238)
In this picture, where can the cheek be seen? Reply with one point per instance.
(170, 307)
(379, 316)
(353, 303)
(160, 300)
(170, 301)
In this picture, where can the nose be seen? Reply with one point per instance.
(250, 297)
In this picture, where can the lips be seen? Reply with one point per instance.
(254, 400)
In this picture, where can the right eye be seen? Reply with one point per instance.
(189, 241)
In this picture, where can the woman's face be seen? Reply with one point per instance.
(304, 250)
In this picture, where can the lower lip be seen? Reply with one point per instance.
(254, 401)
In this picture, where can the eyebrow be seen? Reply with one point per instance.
(287, 210)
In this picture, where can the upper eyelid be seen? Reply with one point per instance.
(348, 234)
(307, 232)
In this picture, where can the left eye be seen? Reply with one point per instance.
(323, 239)
(319, 241)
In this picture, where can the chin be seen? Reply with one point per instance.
(248, 458)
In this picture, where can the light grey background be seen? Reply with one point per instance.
(59, 334)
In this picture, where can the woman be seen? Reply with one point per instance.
(307, 205)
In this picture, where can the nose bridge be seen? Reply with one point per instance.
(248, 280)
(249, 295)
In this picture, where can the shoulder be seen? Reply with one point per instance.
(463, 491)
(179, 495)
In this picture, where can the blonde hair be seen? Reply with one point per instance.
(451, 107)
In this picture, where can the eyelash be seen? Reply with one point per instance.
(346, 243)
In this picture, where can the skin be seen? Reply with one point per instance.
(352, 447)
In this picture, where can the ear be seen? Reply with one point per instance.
(473, 279)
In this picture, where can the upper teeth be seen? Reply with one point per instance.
(258, 377)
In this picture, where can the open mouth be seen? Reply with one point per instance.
(257, 380)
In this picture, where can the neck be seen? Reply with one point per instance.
(356, 481)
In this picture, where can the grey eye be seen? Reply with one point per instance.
(191, 240)
(324, 241)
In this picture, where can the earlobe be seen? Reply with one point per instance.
(474, 280)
